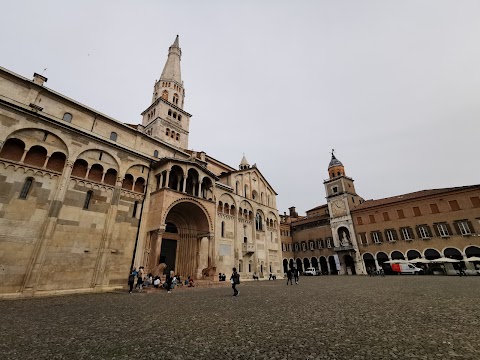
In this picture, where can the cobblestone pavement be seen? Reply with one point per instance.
(328, 317)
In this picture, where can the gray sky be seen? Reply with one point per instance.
(393, 86)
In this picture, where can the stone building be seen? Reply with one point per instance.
(84, 197)
(349, 235)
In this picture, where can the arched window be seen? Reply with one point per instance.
(169, 112)
(67, 117)
(155, 153)
(175, 98)
(174, 115)
(258, 222)
(26, 188)
(88, 197)
(240, 266)
(223, 229)
(177, 137)
(172, 134)
(236, 188)
(250, 267)
(113, 136)
(167, 132)
(179, 117)
(165, 95)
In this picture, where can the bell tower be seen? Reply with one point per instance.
(165, 118)
(341, 198)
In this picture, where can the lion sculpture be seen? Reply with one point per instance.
(209, 271)
(158, 270)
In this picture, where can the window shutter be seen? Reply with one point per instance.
(386, 234)
(457, 229)
(429, 231)
(410, 231)
(380, 237)
(450, 232)
(470, 227)
(435, 228)
(419, 234)
(395, 236)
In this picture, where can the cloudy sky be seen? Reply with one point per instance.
(393, 86)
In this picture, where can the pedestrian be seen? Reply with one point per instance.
(289, 276)
(170, 281)
(140, 278)
(131, 281)
(295, 275)
(382, 272)
(235, 280)
(461, 271)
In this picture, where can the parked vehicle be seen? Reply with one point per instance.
(406, 269)
(312, 271)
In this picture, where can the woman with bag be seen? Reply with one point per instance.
(235, 280)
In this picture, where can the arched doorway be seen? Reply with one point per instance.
(369, 261)
(397, 255)
(306, 264)
(315, 263)
(431, 254)
(413, 254)
(323, 265)
(291, 264)
(299, 265)
(381, 259)
(472, 251)
(333, 265)
(185, 246)
(285, 266)
(349, 265)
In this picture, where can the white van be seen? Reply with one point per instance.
(407, 269)
(311, 271)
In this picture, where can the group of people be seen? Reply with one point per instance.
(221, 277)
(293, 273)
(171, 280)
(271, 277)
(374, 272)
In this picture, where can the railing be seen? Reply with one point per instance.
(343, 248)
(248, 248)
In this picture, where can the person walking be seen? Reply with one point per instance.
(235, 280)
(131, 280)
(140, 278)
(169, 281)
(295, 275)
(289, 276)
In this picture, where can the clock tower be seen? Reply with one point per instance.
(341, 198)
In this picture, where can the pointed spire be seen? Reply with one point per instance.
(244, 163)
(334, 161)
(171, 70)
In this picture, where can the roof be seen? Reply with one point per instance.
(244, 160)
(411, 196)
(318, 207)
(250, 169)
(334, 162)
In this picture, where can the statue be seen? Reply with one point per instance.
(158, 270)
(209, 271)
(345, 241)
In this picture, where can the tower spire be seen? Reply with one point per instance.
(171, 70)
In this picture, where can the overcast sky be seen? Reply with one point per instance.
(393, 86)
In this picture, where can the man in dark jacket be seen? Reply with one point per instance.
(235, 280)
(289, 276)
(295, 275)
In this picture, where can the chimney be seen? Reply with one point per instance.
(39, 79)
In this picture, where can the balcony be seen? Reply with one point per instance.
(343, 248)
(248, 248)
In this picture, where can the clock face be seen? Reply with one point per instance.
(338, 207)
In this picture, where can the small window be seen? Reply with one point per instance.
(464, 227)
(88, 197)
(179, 117)
(376, 237)
(174, 115)
(400, 214)
(424, 232)
(363, 238)
(434, 208)
(335, 189)
(169, 112)
(223, 229)
(359, 220)
(113, 136)
(67, 117)
(416, 211)
(407, 233)
(386, 217)
(475, 201)
(26, 188)
(443, 230)
(372, 218)
(135, 206)
(155, 153)
(390, 235)
(177, 137)
(167, 132)
(454, 205)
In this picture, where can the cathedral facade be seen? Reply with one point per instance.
(84, 197)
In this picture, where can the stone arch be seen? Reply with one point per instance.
(472, 250)
(139, 185)
(36, 156)
(369, 262)
(176, 178)
(413, 254)
(431, 254)
(97, 156)
(192, 201)
(227, 199)
(397, 255)
(56, 162)
(49, 140)
(314, 263)
(12, 149)
(323, 264)
(80, 168)
(452, 252)
(285, 265)
(96, 173)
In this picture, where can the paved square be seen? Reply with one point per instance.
(331, 317)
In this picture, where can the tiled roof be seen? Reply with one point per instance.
(318, 207)
(411, 196)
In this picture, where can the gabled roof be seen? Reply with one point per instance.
(190, 162)
(318, 207)
(412, 196)
(250, 169)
